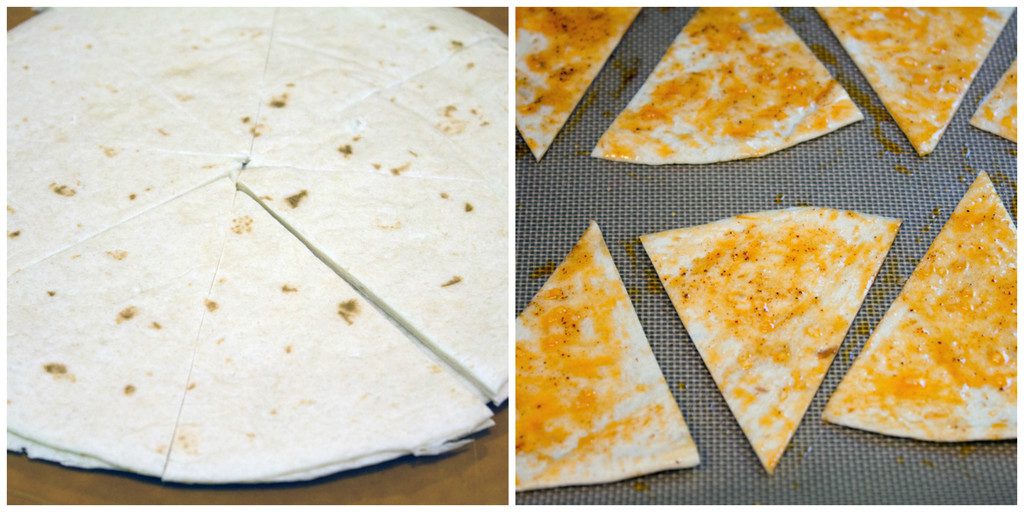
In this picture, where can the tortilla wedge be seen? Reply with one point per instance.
(942, 363)
(920, 61)
(320, 372)
(559, 52)
(592, 405)
(736, 83)
(998, 111)
(767, 298)
(133, 293)
(438, 263)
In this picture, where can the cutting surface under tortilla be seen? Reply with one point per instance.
(559, 51)
(736, 83)
(335, 382)
(592, 405)
(767, 298)
(100, 336)
(438, 263)
(920, 61)
(998, 111)
(942, 363)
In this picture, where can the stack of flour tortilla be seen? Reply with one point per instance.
(254, 245)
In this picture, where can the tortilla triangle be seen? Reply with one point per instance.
(559, 52)
(767, 298)
(109, 326)
(942, 363)
(736, 83)
(998, 111)
(592, 405)
(920, 61)
(312, 371)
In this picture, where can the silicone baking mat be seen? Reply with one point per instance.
(869, 167)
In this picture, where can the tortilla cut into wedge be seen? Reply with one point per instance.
(559, 52)
(998, 111)
(430, 251)
(736, 83)
(920, 61)
(942, 363)
(767, 298)
(592, 405)
(333, 102)
(358, 389)
(108, 327)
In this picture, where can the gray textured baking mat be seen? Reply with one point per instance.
(868, 166)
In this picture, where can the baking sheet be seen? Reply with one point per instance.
(869, 167)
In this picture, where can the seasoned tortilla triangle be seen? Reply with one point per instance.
(920, 61)
(319, 372)
(998, 111)
(592, 405)
(767, 299)
(559, 52)
(942, 363)
(736, 83)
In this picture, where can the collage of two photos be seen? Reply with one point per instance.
(706, 255)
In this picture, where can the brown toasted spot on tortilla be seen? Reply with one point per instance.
(400, 169)
(458, 45)
(413, 153)
(453, 280)
(118, 254)
(51, 293)
(55, 368)
(435, 369)
(827, 352)
(126, 314)
(449, 110)
(129, 389)
(376, 166)
(241, 225)
(471, 65)
(211, 305)
(163, 132)
(88, 46)
(62, 190)
(250, 435)
(444, 195)
(469, 207)
(279, 101)
(220, 341)
(273, 412)
(184, 97)
(266, 198)
(256, 130)
(188, 441)
(294, 200)
(288, 349)
(132, 196)
(246, 119)
(348, 309)
(191, 386)
(156, 325)
(14, 234)
(346, 150)
(9, 209)
(25, 67)
(161, 449)
(289, 84)
(432, 28)
(289, 289)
